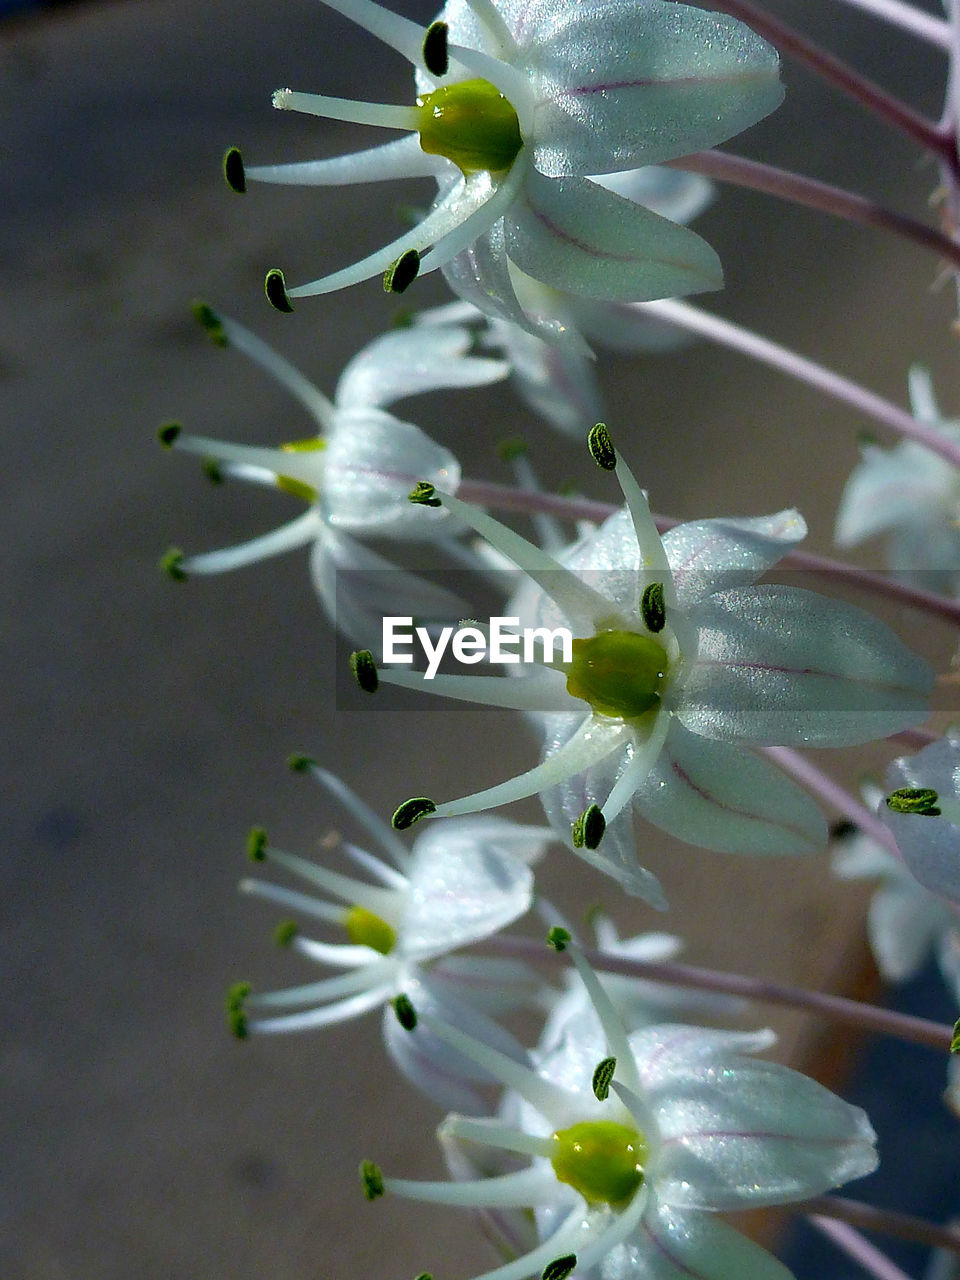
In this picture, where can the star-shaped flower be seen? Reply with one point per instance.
(636, 1142)
(460, 882)
(518, 107)
(682, 665)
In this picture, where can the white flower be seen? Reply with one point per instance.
(519, 105)
(910, 494)
(923, 812)
(460, 882)
(681, 665)
(905, 921)
(636, 1142)
(354, 473)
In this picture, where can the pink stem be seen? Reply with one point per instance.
(887, 1221)
(866, 1017)
(853, 1244)
(799, 189)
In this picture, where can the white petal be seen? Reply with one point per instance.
(672, 193)
(891, 487)
(781, 666)
(621, 84)
(720, 796)
(406, 362)
(576, 236)
(559, 383)
(712, 555)
(930, 845)
(626, 327)
(903, 922)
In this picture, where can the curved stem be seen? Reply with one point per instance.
(727, 334)
(933, 1035)
(852, 1243)
(903, 1225)
(843, 77)
(799, 189)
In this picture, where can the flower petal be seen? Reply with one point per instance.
(720, 796)
(781, 666)
(890, 487)
(930, 845)
(712, 555)
(620, 84)
(405, 362)
(576, 236)
(672, 193)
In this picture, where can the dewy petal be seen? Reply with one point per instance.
(930, 845)
(781, 666)
(672, 193)
(371, 462)
(462, 888)
(723, 797)
(673, 1244)
(712, 555)
(402, 158)
(620, 84)
(405, 362)
(577, 236)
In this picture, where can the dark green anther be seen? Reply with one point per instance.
(587, 831)
(423, 494)
(560, 1268)
(601, 447)
(412, 811)
(406, 1013)
(955, 1039)
(257, 845)
(275, 288)
(236, 1008)
(300, 763)
(364, 670)
(171, 563)
(919, 800)
(602, 1077)
(652, 608)
(233, 170)
(285, 932)
(435, 56)
(515, 447)
(400, 275)
(558, 938)
(212, 470)
(371, 1179)
(211, 323)
(167, 433)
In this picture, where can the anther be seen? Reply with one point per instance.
(514, 447)
(423, 494)
(843, 829)
(364, 670)
(652, 608)
(208, 319)
(285, 932)
(955, 1039)
(587, 831)
(601, 447)
(412, 811)
(920, 800)
(212, 470)
(171, 563)
(167, 433)
(435, 56)
(400, 275)
(406, 1013)
(300, 763)
(558, 938)
(257, 845)
(560, 1268)
(236, 1008)
(276, 290)
(602, 1077)
(371, 1179)
(233, 170)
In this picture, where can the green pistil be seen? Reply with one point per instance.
(472, 124)
(620, 673)
(600, 1159)
(369, 930)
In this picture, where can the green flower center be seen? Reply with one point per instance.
(600, 1159)
(472, 124)
(620, 673)
(369, 930)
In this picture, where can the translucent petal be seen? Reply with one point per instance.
(672, 193)
(930, 845)
(903, 922)
(723, 797)
(671, 1244)
(626, 327)
(890, 487)
(576, 236)
(777, 665)
(490, 983)
(618, 84)
(406, 362)
(559, 383)
(713, 555)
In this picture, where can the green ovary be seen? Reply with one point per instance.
(472, 124)
(369, 930)
(620, 673)
(600, 1159)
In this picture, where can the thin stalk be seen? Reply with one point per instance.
(795, 187)
(865, 1017)
(843, 77)
(855, 1246)
(831, 793)
(727, 334)
(886, 1221)
(927, 26)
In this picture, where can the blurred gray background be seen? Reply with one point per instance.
(148, 723)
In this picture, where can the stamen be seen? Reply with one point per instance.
(276, 290)
(171, 563)
(435, 56)
(558, 938)
(601, 447)
(652, 608)
(412, 811)
(406, 1013)
(602, 1077)
(285, 932)
(233, 170)
(210, 322)
(589, 828)
(560, 1268)
(919, 800)
(373, 113)
(257, 844)
(236, 1011)
(168, 432)
(372, 1179)
(364, 670)
(400, 275)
